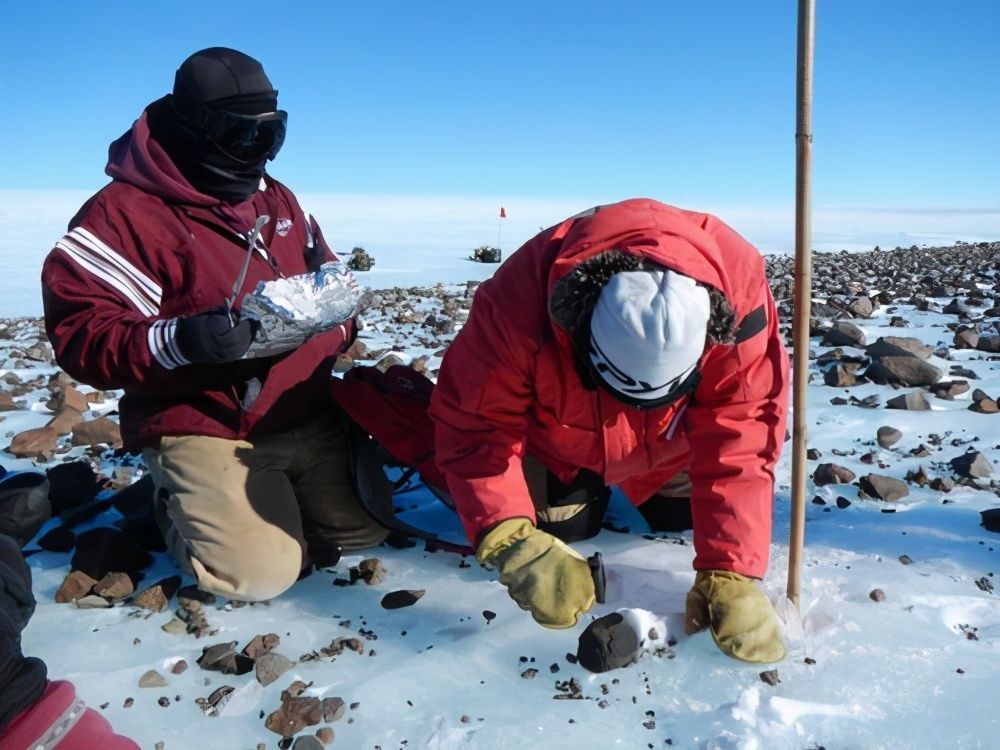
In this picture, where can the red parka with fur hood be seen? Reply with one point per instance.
(509, 385)
(148, 249)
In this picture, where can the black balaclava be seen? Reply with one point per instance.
(209, 84)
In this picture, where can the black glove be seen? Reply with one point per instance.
(210, 338)
(22, 681)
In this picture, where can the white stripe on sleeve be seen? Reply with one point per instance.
(91, 241)
(162, 339)
(108, 274)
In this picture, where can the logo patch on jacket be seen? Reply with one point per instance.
(283, 227)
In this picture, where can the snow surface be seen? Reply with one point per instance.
(918, 670)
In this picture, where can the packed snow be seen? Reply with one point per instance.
(916, 670)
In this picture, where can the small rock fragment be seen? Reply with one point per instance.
(76, 586)
(832, 474)
(876, 595)
(333, 709)
(270, 666)
(325, 735)
(371, 571)
(489, 616)
(307, 742)
(222, 657)
(913, 401)
(260, 645)
(770, 676)
(92, 601)
(114, 586)
(179, 667)
(887, 436)
(401, 598)
(152, 679)
(156, 597)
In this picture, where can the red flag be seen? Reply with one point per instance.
(503, 214)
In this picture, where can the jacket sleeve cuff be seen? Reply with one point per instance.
(162, 340)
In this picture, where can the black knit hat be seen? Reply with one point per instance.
(224, 79)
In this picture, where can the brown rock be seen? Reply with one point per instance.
(839, 376)
(7, 402)
(30, 443)
(64, 422)
(294, 690)
(888, 436)
(371, 571)
(260, 645)
(770, 676)
(913, 401)
(972, 465)
(76, 586)
(967, 339)
(877, 595)
(985, 406)
(832, 474)
(903, 370)
(157, 597)
(68, 396)
(294, 715)
(270, 666)
(91, 601)
(333, 709)
(222, 657)
(100, 431)
(114, 586)
(152, 679)
(180, 667)
(898, 346)
(942, 484)
(325, 735)
(883, 487)
(950, 388)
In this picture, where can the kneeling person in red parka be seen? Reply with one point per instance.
(639, 342)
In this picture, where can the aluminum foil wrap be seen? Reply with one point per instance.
(292, 310)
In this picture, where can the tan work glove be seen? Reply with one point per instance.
(738, 614)
(542, 574)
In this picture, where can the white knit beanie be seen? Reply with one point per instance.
(648, 332)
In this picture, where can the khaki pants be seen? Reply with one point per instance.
(240, 515)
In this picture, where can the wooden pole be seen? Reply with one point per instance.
(803, 289)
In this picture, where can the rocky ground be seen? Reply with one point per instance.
(73, 438)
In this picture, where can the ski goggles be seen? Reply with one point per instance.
(244, 135)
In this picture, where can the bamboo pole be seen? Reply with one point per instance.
(803, 289)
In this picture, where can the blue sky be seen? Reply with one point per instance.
(690, 102)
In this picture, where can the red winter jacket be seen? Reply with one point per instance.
(61, 720)
(148, 249)
(508, 385)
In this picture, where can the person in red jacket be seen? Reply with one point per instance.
(34, 711)
(143, 293)
(638, 342)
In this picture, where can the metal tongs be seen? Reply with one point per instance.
(241, 279)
